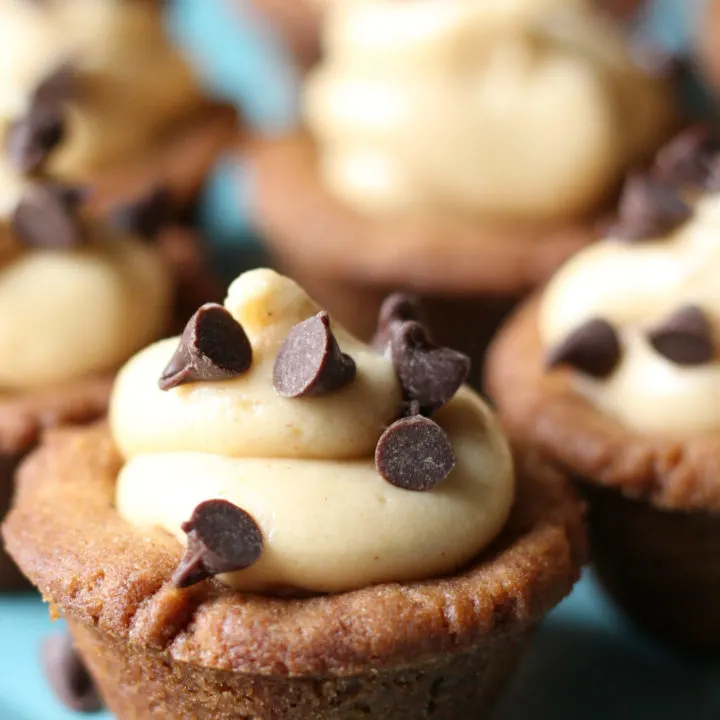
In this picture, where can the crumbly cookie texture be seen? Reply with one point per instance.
(356, 467)
(525, 110)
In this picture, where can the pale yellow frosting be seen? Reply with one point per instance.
(528, 109)
(132, 81)
(635, 286)
(304, 468)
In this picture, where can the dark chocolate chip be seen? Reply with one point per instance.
(648, 209)
(68, 677)
(310, 361)
(397, 307)
(221, 538)
(593, 348)
(46, 216)
(31, 139)
(146, 216)
(414, 453)
(688, 158)
(213, 346)
(685, 337)
(428, 374)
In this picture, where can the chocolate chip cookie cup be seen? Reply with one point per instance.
(94, 92)
(398, 183)
(611, 375)
(78, 296)
(281, 522)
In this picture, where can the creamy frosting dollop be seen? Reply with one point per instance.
(304, 467)
(636, 286)
(131, 83)
(522, 109)
(66, 313)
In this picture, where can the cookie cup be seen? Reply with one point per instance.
(467, 274)
(654, 500)
(26, 414)
(437, 649)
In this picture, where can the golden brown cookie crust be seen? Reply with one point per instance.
(544, 411)
(434, 254)
(67, 538)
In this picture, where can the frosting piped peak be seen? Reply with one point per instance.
(337, 476)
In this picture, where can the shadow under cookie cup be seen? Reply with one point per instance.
(467, 274)
(654, 500)
(434, 649)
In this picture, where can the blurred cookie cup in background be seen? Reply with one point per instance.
(94, 92)
(612, 374)
(455, 150)
(281, 522)
(78, 296)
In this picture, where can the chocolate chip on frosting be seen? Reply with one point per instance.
(688, 158)
(221, 538)
(32, 138)
(310, 361)
(414, 453)
(593, 348)
(397, 307)
(648, 209)
(146, 216)
(46, 216)
(68, 677)
(213, 346)
(685, 337)
(428, 374)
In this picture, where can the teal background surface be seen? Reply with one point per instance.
(585, 662)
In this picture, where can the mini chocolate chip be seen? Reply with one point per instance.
(68, 677)
(593, 348)
(414, 453)
(213, 346)
(31, 139)
(648, 209)
(684, 337)
(688, 158)
(221, 538)
(310, 361)
(146, 216)
(46, 216)
(397, 307)
(429, 374)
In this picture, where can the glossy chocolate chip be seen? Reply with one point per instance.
(46, 216)
(213, 346)
(310, 361)
(397, 307)
(649, 209)
(146, 216)
(428, 374)
(221, 538)
(593, 349)
(414, 453)
(685, 337)
(68, 677)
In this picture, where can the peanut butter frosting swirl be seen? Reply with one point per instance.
(520, 109)
(636, 318)
(292, 438)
